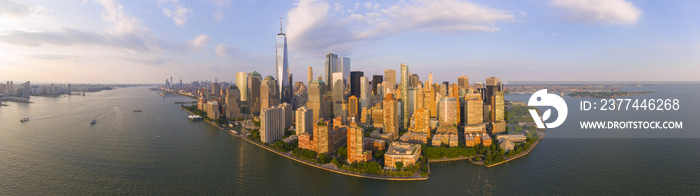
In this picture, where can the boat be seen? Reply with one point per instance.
(137, 111)
(25, 119)
(93, 121)
(194, 117)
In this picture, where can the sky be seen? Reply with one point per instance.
(111, 41)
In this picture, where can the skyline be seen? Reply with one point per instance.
(144, 42)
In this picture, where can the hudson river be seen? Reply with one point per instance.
(159, 152)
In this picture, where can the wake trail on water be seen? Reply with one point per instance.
(64, 112)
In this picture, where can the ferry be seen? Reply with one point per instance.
(194, 117)
(93, 121)
(25, 119)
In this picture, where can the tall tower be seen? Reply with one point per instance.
(404, 95)
(283, 66)
(309, 76)
(331, 64)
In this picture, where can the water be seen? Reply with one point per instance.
(159, 152)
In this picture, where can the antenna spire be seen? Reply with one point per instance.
(281, 24)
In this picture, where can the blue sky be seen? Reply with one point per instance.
(106, 41)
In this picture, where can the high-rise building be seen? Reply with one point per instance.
(344, 66)
(330, 65)
(353, 107)
(287, 117)
(376, 79)
(429, 100)
(391, 116)
(405, 113)
(389, 79)
(338, 94)
(430, 79)
(463, 82)
(415, 80)
(421, 122)
(497, 106)
(271, 124)
(365, 93)
(216, 88)
(474, 109)
(233, 99)
(356, 151)
(491, 87)
(304, 120)
(448, 111)
(254, 82)
(317, 88)
(282, 65)
(242, 83)
(321, 134)
(269, 95)
(310, 75)
(355, 83)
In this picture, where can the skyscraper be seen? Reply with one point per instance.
(463, 82)
(331, 64)
(356, 152)
(317, 88)
(404, 95)
(254, 82)
(389, 79)
(355, 83)
(353, 107)
(304, 120)
(430, 79)
(390, 116)
(216, 88)
(344, 66)
(376, 79)
(242, 83)
(491, 87)
(338, 94)
(233, 99)
(365, 93)
(283, 82)
(269, 95)
(271, 124)
(310, 76)
(415, 80)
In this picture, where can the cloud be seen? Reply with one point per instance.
(13, 10)
(314, 27)
(198, 42)
(151, 60)
(598, 11)
(223, 50)
(220, 4)
(122, 31)
(175, 10)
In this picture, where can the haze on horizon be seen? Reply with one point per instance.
(109, 41)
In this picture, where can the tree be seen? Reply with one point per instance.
(324, 158)
(399, 165)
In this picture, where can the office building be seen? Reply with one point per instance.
(317, 89)
(254, 82)
(356, 83)
(338, 95)
(242, 83)
(216, 88)
(421, 122)
(269, 95)
(376, 79)
(330, 66)
(284, 88)
(448, 111)
(365, 93)
(473, 109)
(353, 107)
(389, 79)
(463, 82)
(415, 81)
(310, 75)
(233, 102)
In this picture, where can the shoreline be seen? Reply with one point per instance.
(374, 177)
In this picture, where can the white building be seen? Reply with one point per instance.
(271, 124)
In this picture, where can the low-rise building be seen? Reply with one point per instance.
(387, 137)
(405, 153)
(374, 144)
(414, 138)
(451, 139)
(512, 137)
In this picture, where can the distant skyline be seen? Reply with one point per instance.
(105, 41)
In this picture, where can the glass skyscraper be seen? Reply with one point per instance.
(283, 66)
